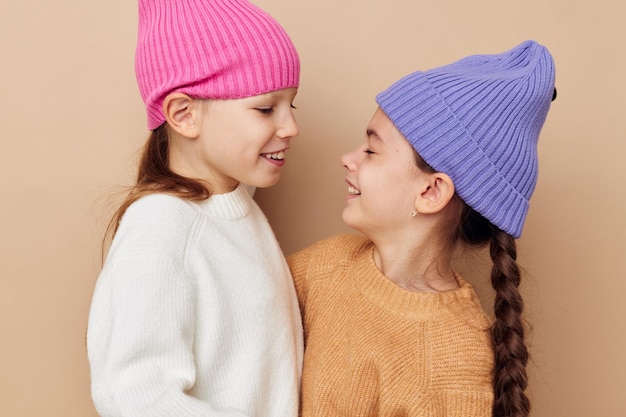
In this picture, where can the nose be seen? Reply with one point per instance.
(349, 160)
(288, 128)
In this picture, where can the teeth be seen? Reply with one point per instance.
(276, 155)
(353, 190)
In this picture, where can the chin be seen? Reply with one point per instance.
(265, 183)
(355, 222)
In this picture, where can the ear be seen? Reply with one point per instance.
(183, 114)
(435, 193)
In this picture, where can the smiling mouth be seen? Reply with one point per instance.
(352, 190)
(276, 156)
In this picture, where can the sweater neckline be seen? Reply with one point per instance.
(389, 296)
(232, 205)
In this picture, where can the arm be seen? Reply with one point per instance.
(298, 264)
(140, 341)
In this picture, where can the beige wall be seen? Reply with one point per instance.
(72, 119)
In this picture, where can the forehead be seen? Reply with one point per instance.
(381, 128)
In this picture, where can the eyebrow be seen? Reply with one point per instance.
(371, 134)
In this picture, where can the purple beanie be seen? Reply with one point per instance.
(478, 120)
(213, 49)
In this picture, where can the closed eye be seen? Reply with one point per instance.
(270, 109)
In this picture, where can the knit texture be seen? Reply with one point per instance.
(195, 314)
(211, 49)
(478, 120)
(375, 349)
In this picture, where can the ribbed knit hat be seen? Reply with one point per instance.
(478, 120)
(214, 49)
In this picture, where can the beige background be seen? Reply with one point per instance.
(72, 121)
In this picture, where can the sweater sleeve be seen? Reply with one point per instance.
(298, 264)
(140, 341)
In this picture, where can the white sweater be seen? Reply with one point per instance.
(195, 314)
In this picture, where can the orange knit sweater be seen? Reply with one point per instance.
(375, 349)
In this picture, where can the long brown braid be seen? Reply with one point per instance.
(511, 354)
(507, 333)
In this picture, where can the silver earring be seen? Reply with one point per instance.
(413, 213)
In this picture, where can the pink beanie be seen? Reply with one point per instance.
(213, 49)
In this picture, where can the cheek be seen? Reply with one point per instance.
(244, 146)
(253, 141)
(389, 178)
(397, 186)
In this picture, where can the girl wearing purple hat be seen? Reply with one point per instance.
(449, 161)
(194, 312)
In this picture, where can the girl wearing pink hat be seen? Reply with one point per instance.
(194, 312)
